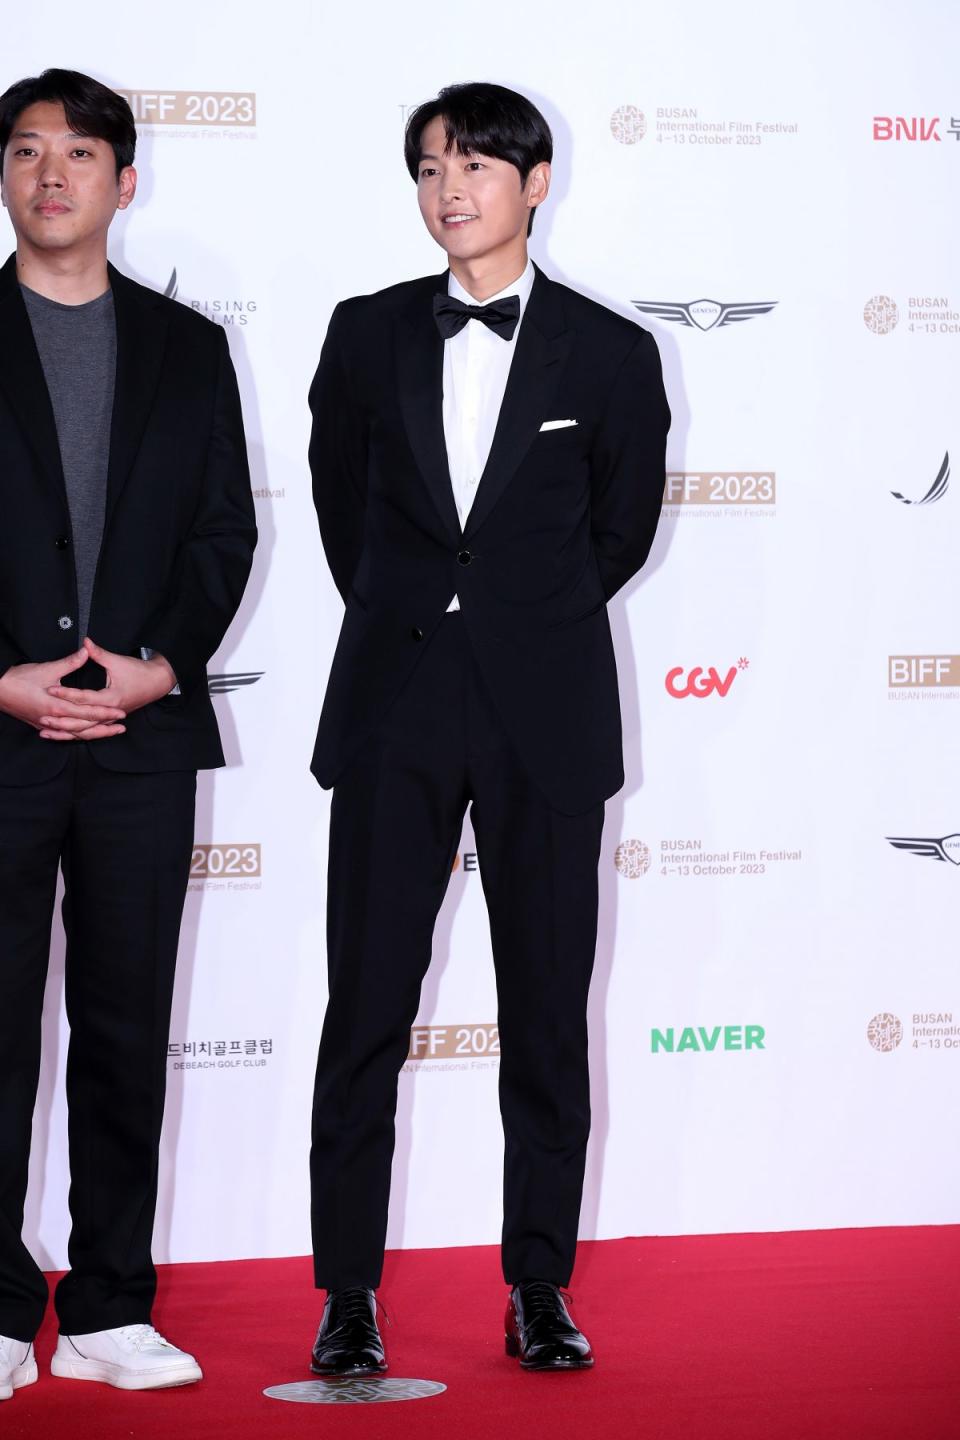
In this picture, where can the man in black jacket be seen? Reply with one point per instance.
(127, 536)
(488, 464)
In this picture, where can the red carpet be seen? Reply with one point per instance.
(820, 1335)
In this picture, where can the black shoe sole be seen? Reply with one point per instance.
(544, 1365)
(512, 1348)
(353, 1372)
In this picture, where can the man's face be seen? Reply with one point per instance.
(61, 189)
(473, 204)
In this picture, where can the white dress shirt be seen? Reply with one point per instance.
(476, 364)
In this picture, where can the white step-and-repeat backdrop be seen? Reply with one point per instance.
(771, 189)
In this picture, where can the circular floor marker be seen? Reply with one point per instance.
(354, 1392)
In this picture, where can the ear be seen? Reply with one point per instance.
(128, 186)
(538, 184)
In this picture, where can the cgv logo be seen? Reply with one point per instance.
(701, 683)
(897, 127)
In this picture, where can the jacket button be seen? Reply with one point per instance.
(61, 542)
(416, 633)
(464, 557)
(65, 622)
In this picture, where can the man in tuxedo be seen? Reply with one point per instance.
(488, 465)
(127, 537)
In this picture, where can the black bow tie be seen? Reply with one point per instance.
(502, 317)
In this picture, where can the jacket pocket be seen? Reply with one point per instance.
(580, 615)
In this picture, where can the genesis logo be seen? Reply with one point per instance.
(705, 314)
(946, 849)
(937, 490)
(226, 684)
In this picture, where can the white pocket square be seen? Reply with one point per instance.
(557, 424)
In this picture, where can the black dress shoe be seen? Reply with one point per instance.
(348, 1341)
(540, 1331)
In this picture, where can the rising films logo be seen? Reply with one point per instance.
(937, 490)
(226, 311)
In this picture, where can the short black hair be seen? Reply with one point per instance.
(91, 108)
(483, 119)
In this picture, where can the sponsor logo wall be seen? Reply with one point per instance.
(775, 975)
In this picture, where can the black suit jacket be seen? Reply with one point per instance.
(561, 520)
(178, 535)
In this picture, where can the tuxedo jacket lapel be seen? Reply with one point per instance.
(23, 383)
(141, 338)
(419, 359)
(542, 345)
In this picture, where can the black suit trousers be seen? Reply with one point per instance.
(396, 819)
(124, 843)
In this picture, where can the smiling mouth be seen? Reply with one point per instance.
(458, 219)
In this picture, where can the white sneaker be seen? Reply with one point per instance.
(18, 1365)
(131, 1357)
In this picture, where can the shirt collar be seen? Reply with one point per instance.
(520, 288)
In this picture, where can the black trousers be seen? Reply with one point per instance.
(124, 843)
(395, 823)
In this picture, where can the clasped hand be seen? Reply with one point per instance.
(33, 693)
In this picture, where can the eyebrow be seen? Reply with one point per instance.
(36, 135)
(463, 155)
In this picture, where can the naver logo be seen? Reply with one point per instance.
(717, 1037)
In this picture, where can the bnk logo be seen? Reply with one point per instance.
(701, 683)
(915, 128)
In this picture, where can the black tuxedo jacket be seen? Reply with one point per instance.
(178, 536)
(561, 519)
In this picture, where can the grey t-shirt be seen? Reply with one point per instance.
(78, 352)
